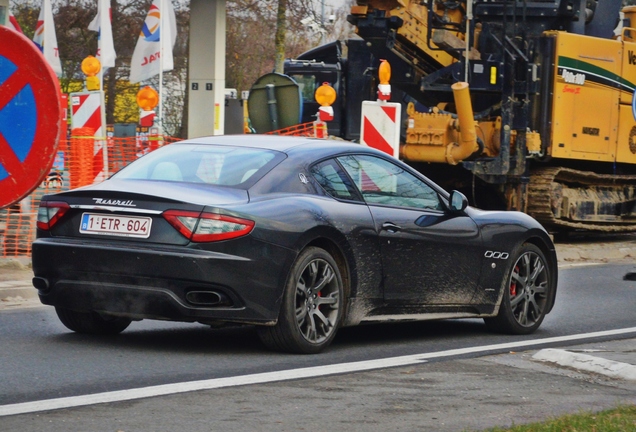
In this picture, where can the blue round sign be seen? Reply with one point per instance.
(17, 117)
(30, 116)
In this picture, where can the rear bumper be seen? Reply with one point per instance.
(242, 282)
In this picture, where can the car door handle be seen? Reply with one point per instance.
(391, 227)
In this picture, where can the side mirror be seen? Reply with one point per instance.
(458, 202)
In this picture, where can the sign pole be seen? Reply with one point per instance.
(162, 34)
(104, 135)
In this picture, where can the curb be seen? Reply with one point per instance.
(22, 289)
(15, 263)
(588, 363)
(601, 252)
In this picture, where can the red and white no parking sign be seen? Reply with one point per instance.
(30, 117)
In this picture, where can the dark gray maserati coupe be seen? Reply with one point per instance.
(294, 235)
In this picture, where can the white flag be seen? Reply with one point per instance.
(13, 24)
(102, 24)
(146, 59)
(45, 38)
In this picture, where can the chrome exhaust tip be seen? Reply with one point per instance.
(42, 284)
(207, 298)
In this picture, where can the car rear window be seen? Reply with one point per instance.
(210, 164)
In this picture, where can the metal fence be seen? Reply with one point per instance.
(77, 164)
(80, 161)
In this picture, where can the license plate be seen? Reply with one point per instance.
(115, 225)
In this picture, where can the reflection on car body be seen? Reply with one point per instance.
(297, 236)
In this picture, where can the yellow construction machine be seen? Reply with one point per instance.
(551, 86)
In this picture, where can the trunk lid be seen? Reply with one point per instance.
(132, 210)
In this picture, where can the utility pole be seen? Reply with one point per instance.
(4, 12)
(323, 31)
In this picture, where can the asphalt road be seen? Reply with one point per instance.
(40, 359)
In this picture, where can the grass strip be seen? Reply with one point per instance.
(621, 419)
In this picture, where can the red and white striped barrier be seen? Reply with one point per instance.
(380, 126)
(146, 118)
(86, 112)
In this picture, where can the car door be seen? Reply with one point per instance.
(430, 256)
(353, 217)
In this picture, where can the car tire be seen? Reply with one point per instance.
(91, 322)
(312, 307)
(527, 290)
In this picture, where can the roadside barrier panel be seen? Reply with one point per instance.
(73, 167)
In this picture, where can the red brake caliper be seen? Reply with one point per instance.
(513, 285)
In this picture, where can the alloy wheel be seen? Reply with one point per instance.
(528, 289)
(317, 301)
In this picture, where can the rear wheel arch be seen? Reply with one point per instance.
(313, 304)
(339, 257)
(337, 245)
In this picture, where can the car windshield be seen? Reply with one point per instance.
(195, 163)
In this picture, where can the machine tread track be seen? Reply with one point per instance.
(568, 199)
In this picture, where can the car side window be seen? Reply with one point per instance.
(383, 182)
(331, 177)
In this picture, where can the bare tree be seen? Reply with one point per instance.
(281, 31)
(289, 16)
(261, 34)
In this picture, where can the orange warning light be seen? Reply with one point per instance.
(325, 95)
(384, 72)
(147, 98)
(91, 66)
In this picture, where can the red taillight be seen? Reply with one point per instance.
(50, 212)
(208, 227)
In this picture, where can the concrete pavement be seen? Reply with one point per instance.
(16, 289)
(453, 395)
(463, 394)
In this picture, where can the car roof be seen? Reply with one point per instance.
(285, 144)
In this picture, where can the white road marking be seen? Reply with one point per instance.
(267, 377)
